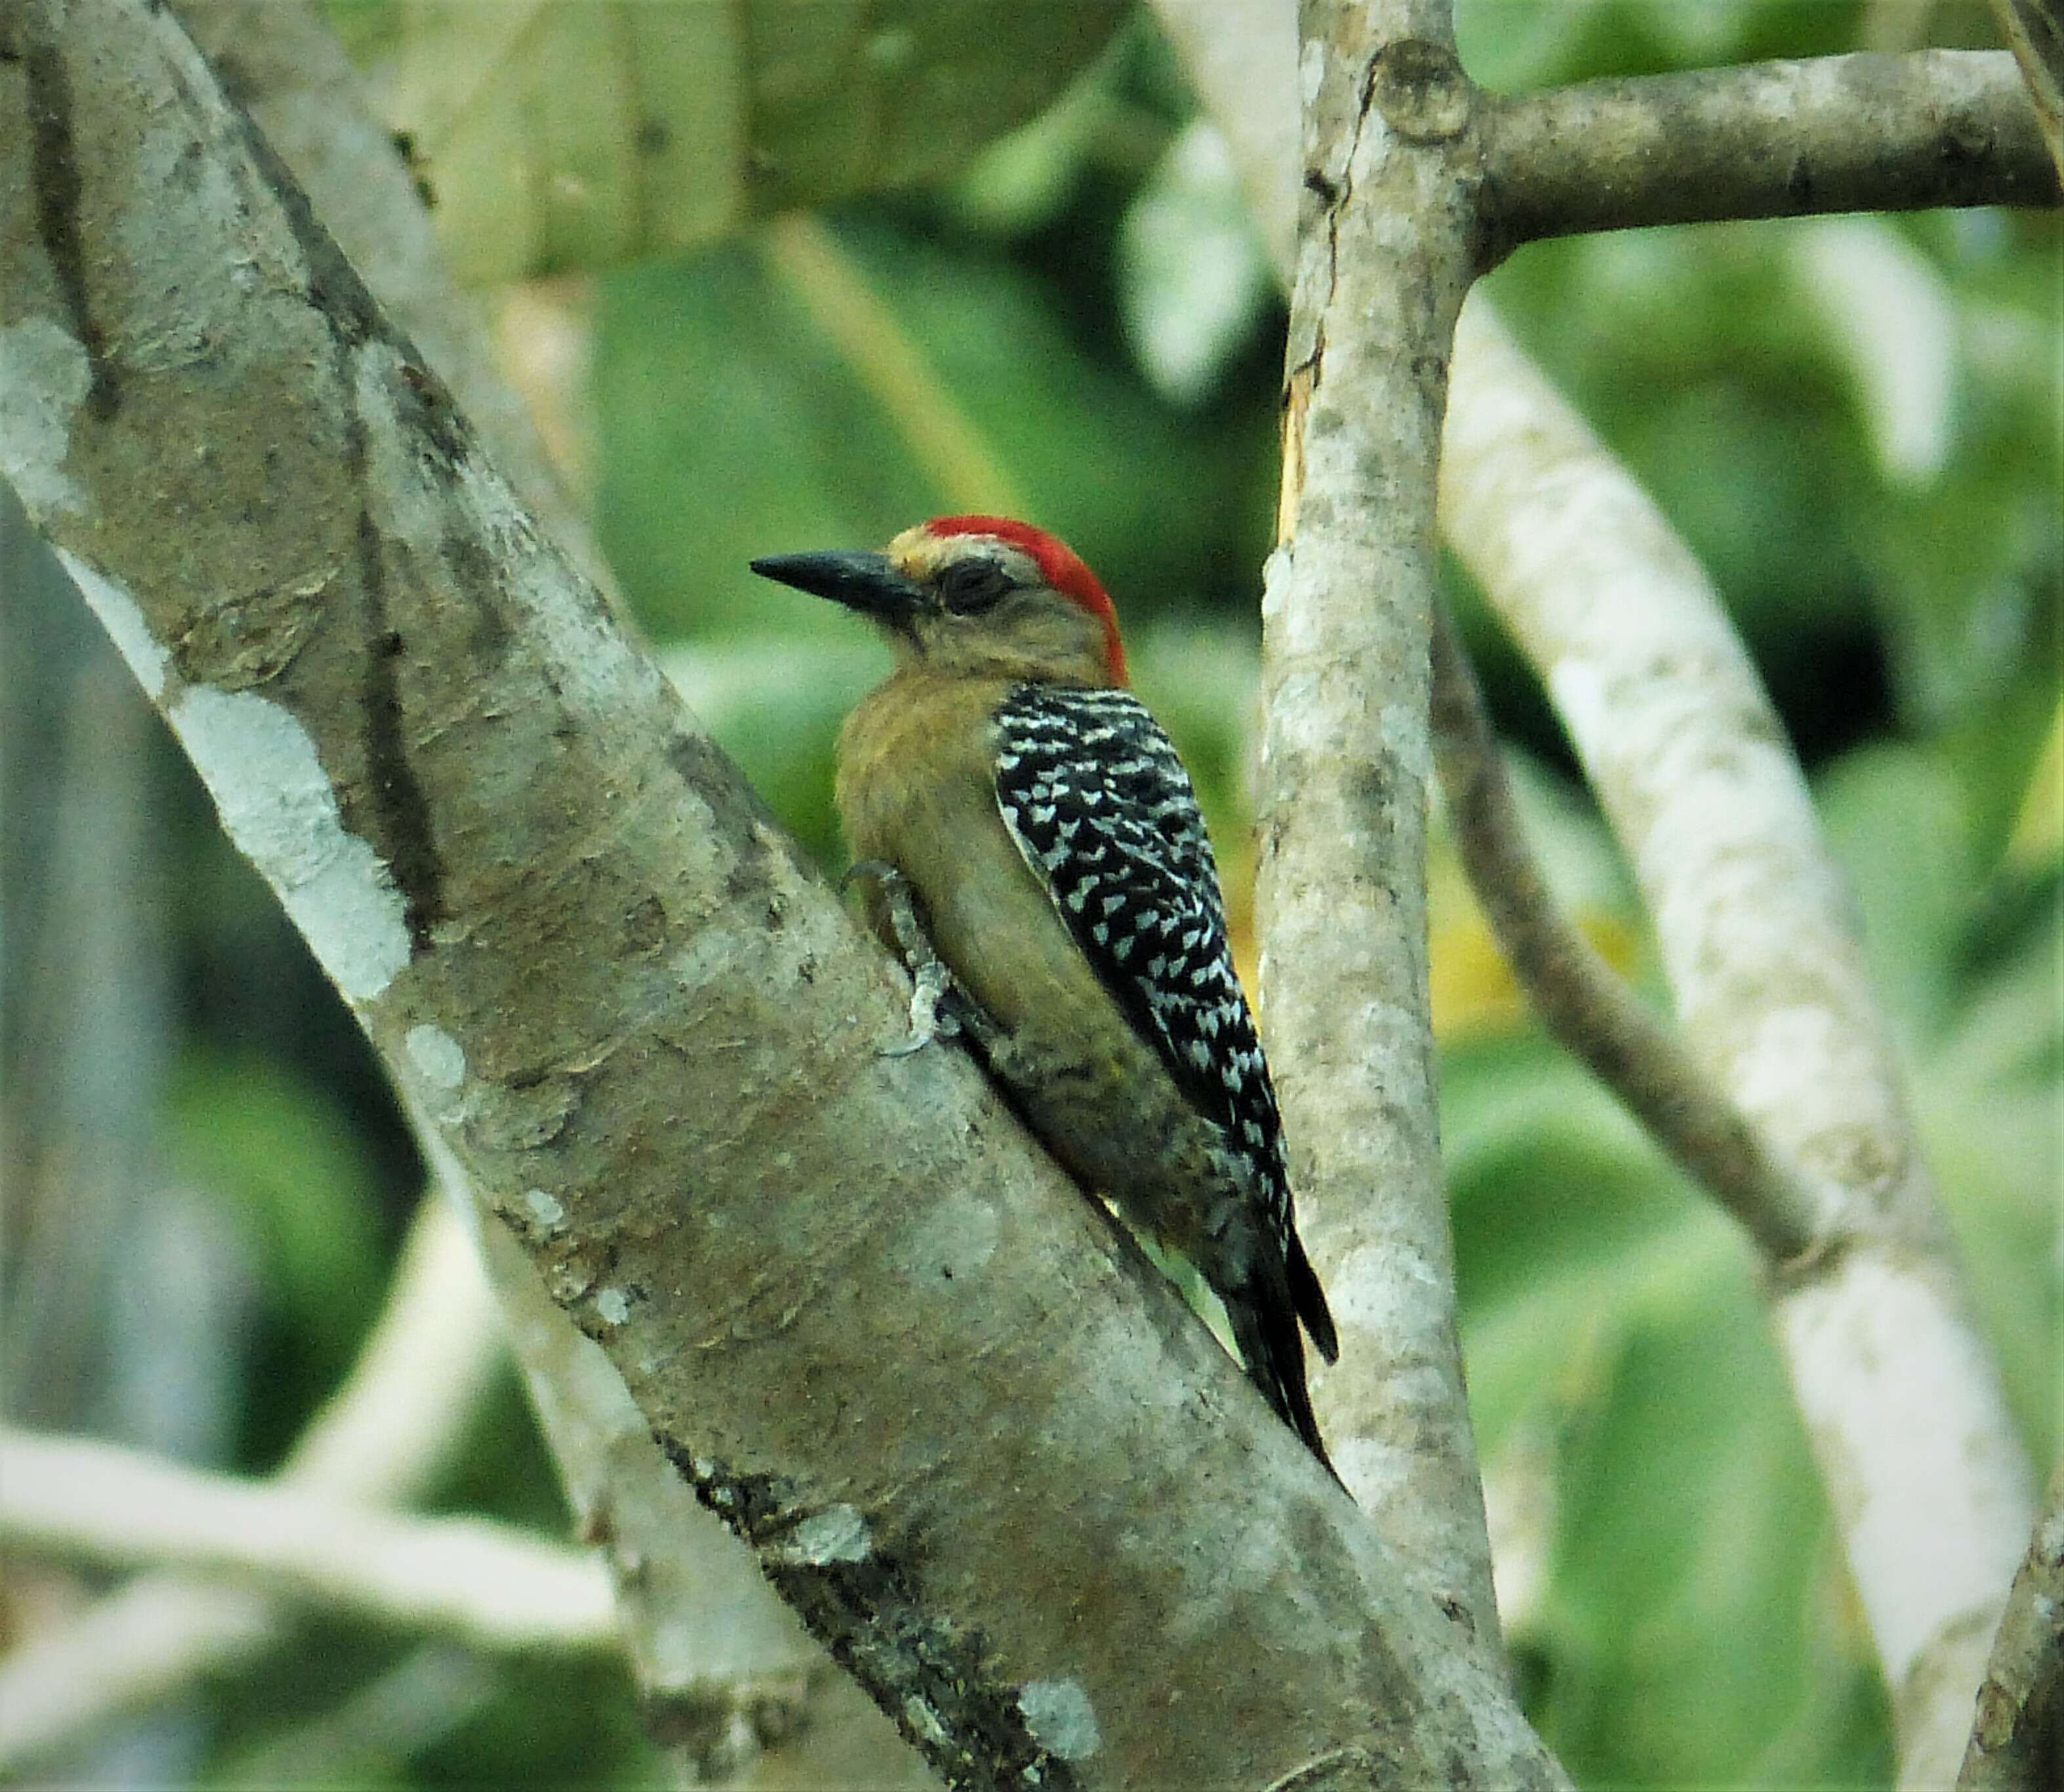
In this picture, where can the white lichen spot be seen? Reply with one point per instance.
(44, 378)
(925, 1720)
(838, 1534)
(1061, 1719)
(277, 806)
(1312, 69)
(545, 1209)
(437, 1055)
(613, 1305)
(122, 619)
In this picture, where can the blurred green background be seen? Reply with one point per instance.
(1855, 424)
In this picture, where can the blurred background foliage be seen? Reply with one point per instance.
(1854, 423)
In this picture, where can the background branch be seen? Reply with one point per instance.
(488, 1584)
(1929, 1483)
(384, 1435)
(1859, 133)
(1578, 995)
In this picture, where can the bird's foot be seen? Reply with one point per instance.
(937, 1006)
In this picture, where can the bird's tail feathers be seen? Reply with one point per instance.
(1264, 1326)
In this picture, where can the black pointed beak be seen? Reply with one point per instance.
(868, 583)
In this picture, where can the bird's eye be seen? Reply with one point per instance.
(969, 587)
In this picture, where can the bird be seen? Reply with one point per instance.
(1035, 823)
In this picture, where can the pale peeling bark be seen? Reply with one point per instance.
(1930, 1485)
(985, 1454)
(1340, 889)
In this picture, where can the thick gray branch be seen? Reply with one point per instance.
(985, 1455)
(719, 1661)
(1861, 133)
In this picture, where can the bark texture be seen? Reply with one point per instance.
(2035, 31)
(1861, 133)
(2018, 1743)
(1383, 264)
(988, 1459)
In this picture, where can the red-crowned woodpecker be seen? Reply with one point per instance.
(1052, 842)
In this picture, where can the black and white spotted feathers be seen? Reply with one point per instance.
(1103, 809)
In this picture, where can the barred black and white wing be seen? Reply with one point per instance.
(1102, 810)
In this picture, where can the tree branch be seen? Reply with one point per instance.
(1930, 1484)
(1575, 992)
(2017, 1744)
(491, 1584)
(1903, 1402)
(968, 1437)
(386, 1433)
(721, 1663)
(2035, 31)
(1340, 887)
(1859, 133)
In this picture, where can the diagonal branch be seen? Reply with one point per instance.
(2035, 31)
(1929, 1483)
(988, 1459)
(719, 1661)
(1858, 133)
(1575, 992)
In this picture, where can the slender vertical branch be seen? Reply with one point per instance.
(1383, 263)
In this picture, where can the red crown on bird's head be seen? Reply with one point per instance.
(1062, 567)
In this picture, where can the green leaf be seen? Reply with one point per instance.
(574, 134)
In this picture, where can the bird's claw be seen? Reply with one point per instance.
(932, 983)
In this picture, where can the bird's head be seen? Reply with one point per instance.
(978, 593)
